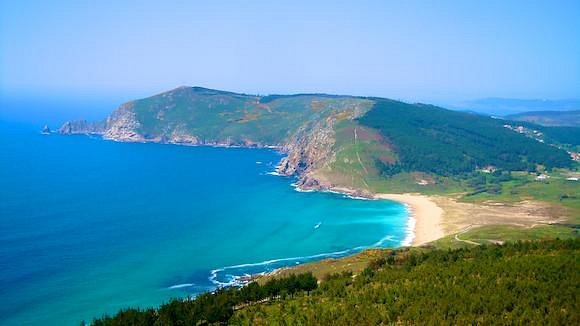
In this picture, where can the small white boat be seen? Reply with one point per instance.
(317, 225)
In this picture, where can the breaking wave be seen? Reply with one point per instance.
(238, 275)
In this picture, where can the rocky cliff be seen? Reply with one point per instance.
(313, 147)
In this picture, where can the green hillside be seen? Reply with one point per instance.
(517, 283)
(567, 137)
(549, 118)
(444, 142)
(400, 147)
(213, 115)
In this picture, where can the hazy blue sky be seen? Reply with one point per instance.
(415, 50)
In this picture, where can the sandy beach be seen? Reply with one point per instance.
(438, 216)
(428, 216)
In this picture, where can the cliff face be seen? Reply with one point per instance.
(312, 148)
(122, 125)
(308, 148)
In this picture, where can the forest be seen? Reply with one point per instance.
(451, 143)
(534, 282)
(216, 307)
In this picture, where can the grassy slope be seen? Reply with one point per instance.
(216, 115)
(355, 146)
(556, 190)
(533, 283)
(506, 233)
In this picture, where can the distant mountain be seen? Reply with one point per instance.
(549, 118)
(331, 141)
(506, 106)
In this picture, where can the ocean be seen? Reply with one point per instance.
(89, 226)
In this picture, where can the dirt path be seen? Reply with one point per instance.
(359, 160)
(466, 241)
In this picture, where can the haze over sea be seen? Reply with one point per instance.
(89, 226)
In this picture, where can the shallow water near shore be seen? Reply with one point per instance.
(89, 226)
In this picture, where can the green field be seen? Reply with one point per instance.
(556, 190)
(495, 234)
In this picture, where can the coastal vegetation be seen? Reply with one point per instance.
(450, 143)
(519, 282)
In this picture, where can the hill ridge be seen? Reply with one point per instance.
(316, 132)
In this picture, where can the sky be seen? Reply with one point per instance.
(410, 50)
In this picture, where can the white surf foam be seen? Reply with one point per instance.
(410, 230)
(345, 195)
(297, 188)
(238, 280)
(179, 286)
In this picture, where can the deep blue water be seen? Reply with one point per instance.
(88, 226)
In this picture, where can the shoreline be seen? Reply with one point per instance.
(425, 220)
(425, 213)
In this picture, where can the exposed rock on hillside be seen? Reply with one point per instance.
(122, 125)
(311, 148)
(82, 127)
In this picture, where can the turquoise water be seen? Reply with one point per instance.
(88, 226)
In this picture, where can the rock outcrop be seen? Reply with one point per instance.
(122, 125)
(82, 127)
(311, 148)
(308, 149)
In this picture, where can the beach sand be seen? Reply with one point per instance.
(428, 216)
(438, 216)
